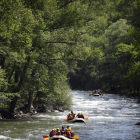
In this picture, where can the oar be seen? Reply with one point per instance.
(65, 119)
(86, 118)
(46, 137)
(90, 94)
(76, 137)
(102, 94)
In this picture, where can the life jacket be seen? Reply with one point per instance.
(73, 115)
(62, 132)
(78, 116)
(52, 134)
(72, 133)
(70, 116)
(68, 134)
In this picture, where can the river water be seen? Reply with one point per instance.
(111, 117)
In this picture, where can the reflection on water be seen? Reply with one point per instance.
(111, 117)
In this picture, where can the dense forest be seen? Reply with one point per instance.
(48, 47)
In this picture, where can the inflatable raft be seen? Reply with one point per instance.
(77, 120)
(96, 94)
(60, 137)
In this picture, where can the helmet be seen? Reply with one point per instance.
(54, 129)
(57, 128)
(69, 129)
(70, 113)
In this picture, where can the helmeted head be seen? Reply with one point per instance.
(69, 129)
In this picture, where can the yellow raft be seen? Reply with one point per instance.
(59, 137)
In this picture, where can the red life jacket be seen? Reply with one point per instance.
(72, 133)
(73, 115)
(70, 116)
(68, 134)
(52, 134)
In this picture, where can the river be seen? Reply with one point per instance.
(111, 117)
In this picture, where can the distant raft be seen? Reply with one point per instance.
(96, 94)
(81, 120)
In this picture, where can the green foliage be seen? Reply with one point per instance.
(42, 41)
(113, 62)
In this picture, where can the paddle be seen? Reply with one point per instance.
(65, 119)
(76, 137)
(90, 94)
(46, 137)
(86, 118)
(102, 94)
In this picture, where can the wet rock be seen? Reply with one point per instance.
(17, 116)
(60, 110)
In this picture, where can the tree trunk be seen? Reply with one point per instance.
(13, 105)
(17, 88)
(30, 100)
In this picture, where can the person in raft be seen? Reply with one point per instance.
(62, 131)
(69, 133)
(99, 92)
(52, 133)
(94, 92)
(71, 116)
(80, 115)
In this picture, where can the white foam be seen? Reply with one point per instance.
(3, 137)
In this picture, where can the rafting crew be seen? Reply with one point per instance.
(68, 132)
(80, 115)
(94, 92)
